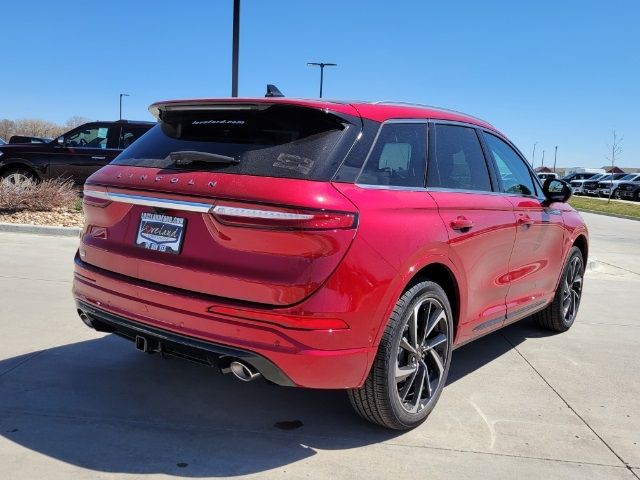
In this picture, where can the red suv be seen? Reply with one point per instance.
(325, 245)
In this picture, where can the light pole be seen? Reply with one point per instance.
(543, 158)
(321, 65)
(533, 157)
(236, 48)
(122, 95)
(555, 157)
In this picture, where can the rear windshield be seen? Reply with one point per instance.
(275, 141)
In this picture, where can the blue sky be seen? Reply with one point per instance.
(560, 73)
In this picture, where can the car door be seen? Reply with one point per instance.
(536, 259)
(480, 224)
(130, 133)
(84, 150)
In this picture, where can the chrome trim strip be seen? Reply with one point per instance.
(151, 201)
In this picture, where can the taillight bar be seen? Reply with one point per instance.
(278, 218)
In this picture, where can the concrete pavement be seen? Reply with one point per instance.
(520, 403)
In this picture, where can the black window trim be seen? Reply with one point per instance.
(534, 178)
(493, 179)
(375, 141)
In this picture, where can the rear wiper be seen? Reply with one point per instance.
(185, 157)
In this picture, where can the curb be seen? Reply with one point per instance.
(617, 215)
(39, 229)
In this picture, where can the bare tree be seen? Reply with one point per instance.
(75, 121)
(615, 151)
(7, 128)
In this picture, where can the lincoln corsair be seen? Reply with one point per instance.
(325, 245)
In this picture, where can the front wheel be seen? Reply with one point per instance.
(562, 312)
(412, 362)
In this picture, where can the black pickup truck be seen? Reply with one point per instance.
(629, 191)
(75, 154)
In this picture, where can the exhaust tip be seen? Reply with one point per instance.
(243, 372)
(85, 318)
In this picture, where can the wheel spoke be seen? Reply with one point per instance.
(413, 326)
(404, 343)
(438, 361)
(426, 376)
(403, 372)
(406, 388)
(421, 376)
(439, 339)
(437, 316)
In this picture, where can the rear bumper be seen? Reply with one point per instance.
(165, 342)
(193, 327)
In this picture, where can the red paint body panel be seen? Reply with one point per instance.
(315, 302)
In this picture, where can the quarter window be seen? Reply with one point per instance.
(398, 157)
(515, 175)
(458, 160)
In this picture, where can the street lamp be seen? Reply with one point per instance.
(555, 157)
(236, 48)
(321, 65)
(122, 95)
(533, 157)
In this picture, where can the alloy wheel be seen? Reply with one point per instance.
(16, 178)
(422, 355)
(572, 289)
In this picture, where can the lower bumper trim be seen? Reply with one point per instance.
(173, 344)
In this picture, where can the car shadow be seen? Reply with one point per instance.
(101, 405)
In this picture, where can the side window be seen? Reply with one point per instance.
(398, 157)
(515, 175)
(91, 137)
(458, 161)
(130, 134)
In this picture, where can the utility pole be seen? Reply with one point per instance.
(236, 48)
(543, 158)
(321, 65)
(533, 157)
(555, 157)
(122, 95)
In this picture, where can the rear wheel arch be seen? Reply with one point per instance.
(445, 278)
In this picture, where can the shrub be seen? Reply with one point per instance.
(41, 196)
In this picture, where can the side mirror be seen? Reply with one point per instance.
(556, 190)
(60, 140)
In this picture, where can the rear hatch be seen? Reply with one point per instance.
(230, 200)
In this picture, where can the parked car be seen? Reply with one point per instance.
(576, 180)
(309, 243)
(543, 176)
(611, 186)
(629, 190)
(27, 139)
(591, 186)
(75, 154)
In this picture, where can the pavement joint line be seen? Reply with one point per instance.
(616, 266)
(19, 364)
(16, 277)
(604, 442)
(293, 436)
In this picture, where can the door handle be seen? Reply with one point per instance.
(98, 158)
(461, 224)
(525, 221)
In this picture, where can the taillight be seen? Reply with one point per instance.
(260, 216)
(95, 198)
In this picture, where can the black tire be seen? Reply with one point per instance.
(636, 196)
(380, 399)
(17, 175)
(560, 314)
